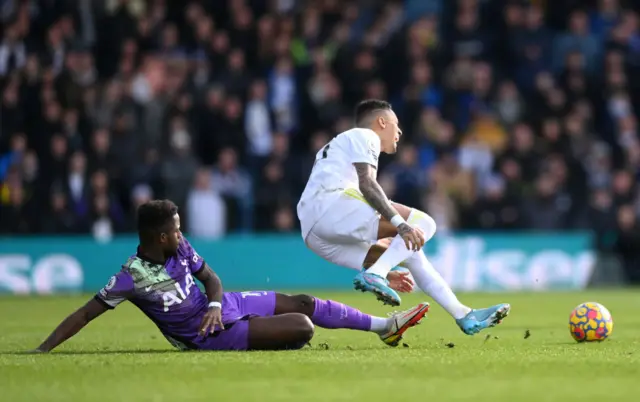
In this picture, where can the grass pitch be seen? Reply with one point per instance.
(122, 357)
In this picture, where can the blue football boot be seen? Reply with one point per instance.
(480, 319)
(377, 285)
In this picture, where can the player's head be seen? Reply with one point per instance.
(159, 223)
(378, 116)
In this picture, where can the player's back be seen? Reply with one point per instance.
(332, 168)
(333, 172)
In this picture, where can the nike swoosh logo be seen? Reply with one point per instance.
(148, 289)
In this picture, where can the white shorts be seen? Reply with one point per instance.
(346, 231)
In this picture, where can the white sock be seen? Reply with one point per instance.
(380, 325)
(397, 252)
(394, 255)
(430, 281)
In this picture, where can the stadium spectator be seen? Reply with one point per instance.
(234, 185)
(515, 115)
(258, 122)
(206, 209)
(77, 186)
(179, 165)
(627, 244)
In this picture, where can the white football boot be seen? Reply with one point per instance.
(402, 321)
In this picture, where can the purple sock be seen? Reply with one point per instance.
(332, 314)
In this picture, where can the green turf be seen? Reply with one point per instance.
(122, 357)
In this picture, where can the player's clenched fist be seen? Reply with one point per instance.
(212, 317)
(413, 237)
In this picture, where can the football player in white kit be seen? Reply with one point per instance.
(344, 212)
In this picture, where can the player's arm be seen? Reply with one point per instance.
(213, 288)
(211, 282)
(72, 324)
(364, 152)
(372, 192)
(375, 196)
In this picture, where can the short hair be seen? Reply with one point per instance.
(367, 107)
(154, 216)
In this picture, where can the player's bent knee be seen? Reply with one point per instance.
(424, 222)
(304, 328)
(303, 304)
(305, 301)
(282, 332)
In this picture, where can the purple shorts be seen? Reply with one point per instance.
(237, 308)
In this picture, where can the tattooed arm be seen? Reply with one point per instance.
(375, 196)
(372, 191)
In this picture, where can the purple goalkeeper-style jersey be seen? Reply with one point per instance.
(165, 292)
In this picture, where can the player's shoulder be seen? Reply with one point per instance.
(133, 262)
(134, 266)
(363, 140)
(185, 248)
(359, 133)
(141, 270)
(123, 280)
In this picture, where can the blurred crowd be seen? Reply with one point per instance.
(516, 114)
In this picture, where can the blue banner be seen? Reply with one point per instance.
(484, 262)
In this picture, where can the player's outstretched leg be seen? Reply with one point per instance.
(335, 315)
(281, 332)
(479, 319)
(432, 283)
(428, 279)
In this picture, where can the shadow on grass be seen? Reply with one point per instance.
(322, 347)
(96, 352)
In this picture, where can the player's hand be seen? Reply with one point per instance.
(401, 281)
(35, 351)
(212, 318)
(413, 237)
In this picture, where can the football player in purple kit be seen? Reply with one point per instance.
(159, 281)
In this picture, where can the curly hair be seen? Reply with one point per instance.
(154, 216)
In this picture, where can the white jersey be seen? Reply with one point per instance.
(333, 172)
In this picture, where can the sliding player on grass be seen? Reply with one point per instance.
(344, 213)
(159, 281)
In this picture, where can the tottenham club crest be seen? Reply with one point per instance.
(111, 284)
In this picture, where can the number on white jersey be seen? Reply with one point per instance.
(324, 155)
